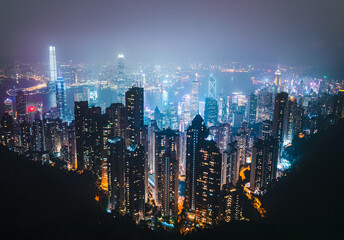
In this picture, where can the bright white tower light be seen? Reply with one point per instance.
(53, 67)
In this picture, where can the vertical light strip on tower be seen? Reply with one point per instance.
(53, 67)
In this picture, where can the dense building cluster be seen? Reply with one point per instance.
(143, 158)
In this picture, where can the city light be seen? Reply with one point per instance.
(31, 109)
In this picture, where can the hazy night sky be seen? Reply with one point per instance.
(289, 31)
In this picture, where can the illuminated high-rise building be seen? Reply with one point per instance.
(107, 133)
(277, 82)
(153, 128)
(135, 181)
(21, 106)
(121, 81)
(338, 105)
(25, 136)
(230, 164)
(252, 109)
(289, 121)
(7, 131)
(266, 129)
(52, 63)
(186, 111)
(173, 115)
(221, 134)
(281, 100)
(115, 154)
(38, 136)
(230, 204)
(212, 87)
(264, 163)
(207, 185)
(53, 68)
(9, 107)
(61, 98)
(80, 113)
(88, 131)
(134, 104)
(222, 110)
(194, 97)
(117, 115)
(197, 132)
(265, 101)
(211, 112)
(120, 68)
(167, 171)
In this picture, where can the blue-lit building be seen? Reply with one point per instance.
(61, 99)
(211, 112)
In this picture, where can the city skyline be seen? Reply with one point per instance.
(177, 119)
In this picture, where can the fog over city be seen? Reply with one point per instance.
(285, 32)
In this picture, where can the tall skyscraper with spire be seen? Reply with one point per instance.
(212, 87)
(52, 64)
(120, 78)
(53, 72)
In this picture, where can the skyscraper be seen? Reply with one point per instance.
(121, 83)
(264, 163)
(289, 121)
(230, 165)
(266, 129)
(53, 68)
(81, 114)
(210, 112)
(7, 131)
(117, 115)
(194, 97)
(9, 107)
(230, 204)
(338, 105)
(134, 104)
(115, 155)
(21, 106)
(281, 100)
(135, 181)
(61, 98)
(221, 134)
(207, 185)
(167, 171)
(212, 87)
(252, 113)
(197, 132)
(277, 83)
(120, 68)
(173, 115)
(187, 110)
